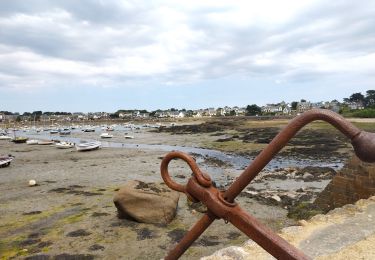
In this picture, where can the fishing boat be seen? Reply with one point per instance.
(64, 145)
(5, 160)
(32, 142)
(19, 140)
(88, 146)
(106, 135)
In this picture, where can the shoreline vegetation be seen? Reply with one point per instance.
(70, 212)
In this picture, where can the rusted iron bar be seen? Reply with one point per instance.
(233, 213)
(282, 139)
(221, 204)
(191, 236)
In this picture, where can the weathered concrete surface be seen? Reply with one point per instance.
(343, 233)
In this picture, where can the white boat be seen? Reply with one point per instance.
(5, 160)
(5, 137)
(32, 142)
(64, 145)
(88, 146)
(45, 142)
(106, 135)
(129, 137)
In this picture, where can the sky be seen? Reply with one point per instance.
(105, 55)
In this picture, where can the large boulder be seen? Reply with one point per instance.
(146, 202)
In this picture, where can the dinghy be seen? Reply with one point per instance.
(88, 146)
(32, 142)
(106, 135)
(64, 145)
(5, 137)
(5, 160)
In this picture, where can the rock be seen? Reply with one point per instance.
(308, 176)
(277, 198)
(253, 193)
(146, 202)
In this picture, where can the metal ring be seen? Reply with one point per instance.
(203, 179)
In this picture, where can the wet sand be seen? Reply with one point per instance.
(71, 210)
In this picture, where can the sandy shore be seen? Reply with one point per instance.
(71, 210)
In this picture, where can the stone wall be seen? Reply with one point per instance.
(355, 181)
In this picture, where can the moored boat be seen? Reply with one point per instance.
(45, 142)
(5, 137)
(64, 145)
(65, 132)
(88, 146)
(106, 135)
(129, 136)
(32, 142)
(19, 140)
(5, 160)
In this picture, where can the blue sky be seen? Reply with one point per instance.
(108, 55)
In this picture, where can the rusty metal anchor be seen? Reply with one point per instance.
(221, 204)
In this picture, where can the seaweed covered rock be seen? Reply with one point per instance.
(146, 202)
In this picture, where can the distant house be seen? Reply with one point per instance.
(272, 108)
(220, 112)
(197, 114)
(144, 115)
(287, 110)
(303, 106)
(355, 105)
(176, 114)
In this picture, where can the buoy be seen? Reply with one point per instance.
(32, 183)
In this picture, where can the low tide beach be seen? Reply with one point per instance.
(70, 211)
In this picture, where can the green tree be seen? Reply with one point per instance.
(357, 97)
(294, 105)
(252, 110)
(370, 98)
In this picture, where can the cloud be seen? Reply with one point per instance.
(114, 43)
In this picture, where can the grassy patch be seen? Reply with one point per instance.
(234, 146)
(304, 210)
